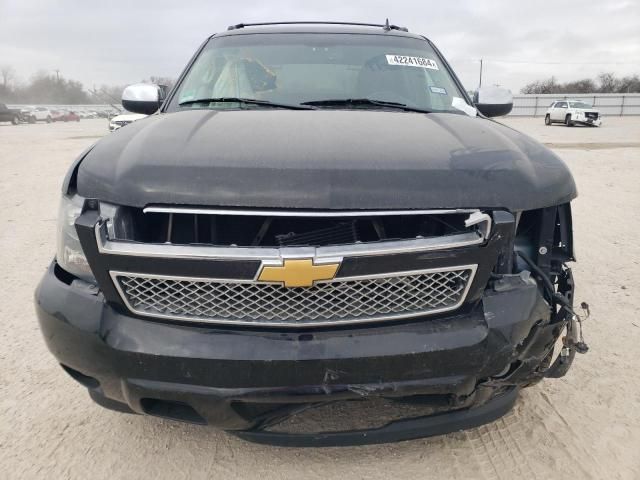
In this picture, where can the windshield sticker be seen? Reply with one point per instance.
(459, 104)
(403, 60)
(438, 90)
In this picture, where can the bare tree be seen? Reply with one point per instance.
(605, 83)
(608, 82)
(630, 84)
(549, 85)
(586, 85)
(8, 74)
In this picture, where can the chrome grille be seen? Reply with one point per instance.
(348, 300)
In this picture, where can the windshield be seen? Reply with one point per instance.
(579, 105)
(295, 68)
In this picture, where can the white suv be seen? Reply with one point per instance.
(572, 112)
(36, 114)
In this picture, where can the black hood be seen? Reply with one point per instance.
(323, 159)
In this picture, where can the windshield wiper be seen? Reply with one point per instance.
(246, 101)
(338, 102)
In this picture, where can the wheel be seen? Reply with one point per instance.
(547, 119)
(15, 120)
(78, 119)
(567, 121)
(32, 119)
(49, 119)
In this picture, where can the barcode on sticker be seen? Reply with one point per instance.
(403, 60)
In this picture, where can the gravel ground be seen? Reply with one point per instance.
(586, 424)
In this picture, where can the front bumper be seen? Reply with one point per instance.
(470, 363)
(592, 122)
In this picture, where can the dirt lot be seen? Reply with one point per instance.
(586, 425)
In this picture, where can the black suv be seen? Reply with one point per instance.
(313, 214)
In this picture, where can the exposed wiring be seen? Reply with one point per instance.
(580, 346)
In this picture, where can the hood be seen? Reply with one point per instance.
(323, 159)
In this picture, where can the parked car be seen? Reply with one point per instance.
(86, 114)
(65, 116)
(123, 119)
(315, 214)
(572, 112)
(36, 114)
(9, 114)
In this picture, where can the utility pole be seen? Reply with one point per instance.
(480, 84)
(57, 75)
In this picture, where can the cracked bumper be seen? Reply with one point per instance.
(589, 121)
(241, 379)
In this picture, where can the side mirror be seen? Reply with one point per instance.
(493, 101)
(142, 98)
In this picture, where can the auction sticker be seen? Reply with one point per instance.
(405, 61)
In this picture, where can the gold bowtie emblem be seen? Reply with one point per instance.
(298, 273)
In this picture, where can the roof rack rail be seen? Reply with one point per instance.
(385, 26)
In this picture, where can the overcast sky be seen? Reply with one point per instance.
(117, 42)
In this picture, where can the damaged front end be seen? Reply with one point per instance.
(532, 332)
(543, 246)
(499, 318)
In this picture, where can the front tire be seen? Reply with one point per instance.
(49, 119)
(547, 119)
(567, 121)
(15, 120)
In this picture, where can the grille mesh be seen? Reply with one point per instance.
(336, 301)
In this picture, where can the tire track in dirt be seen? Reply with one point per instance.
(560, 438)
(501, 450)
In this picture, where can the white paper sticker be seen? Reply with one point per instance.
(438, 90)
(405, 61)
(459, 104)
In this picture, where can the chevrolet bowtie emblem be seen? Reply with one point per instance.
(298, 273)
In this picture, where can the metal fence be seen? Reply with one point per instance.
(617, 104)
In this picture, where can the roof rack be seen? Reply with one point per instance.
(386, 26)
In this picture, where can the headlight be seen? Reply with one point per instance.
(69, 252)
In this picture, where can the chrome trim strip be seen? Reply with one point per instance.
(477, 218)
(115, 274)
(302, 213)
(108, 247)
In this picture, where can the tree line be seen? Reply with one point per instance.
(50, 88)
(53, 88)
(603, 83)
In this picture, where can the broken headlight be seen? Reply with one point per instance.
(69, 252)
